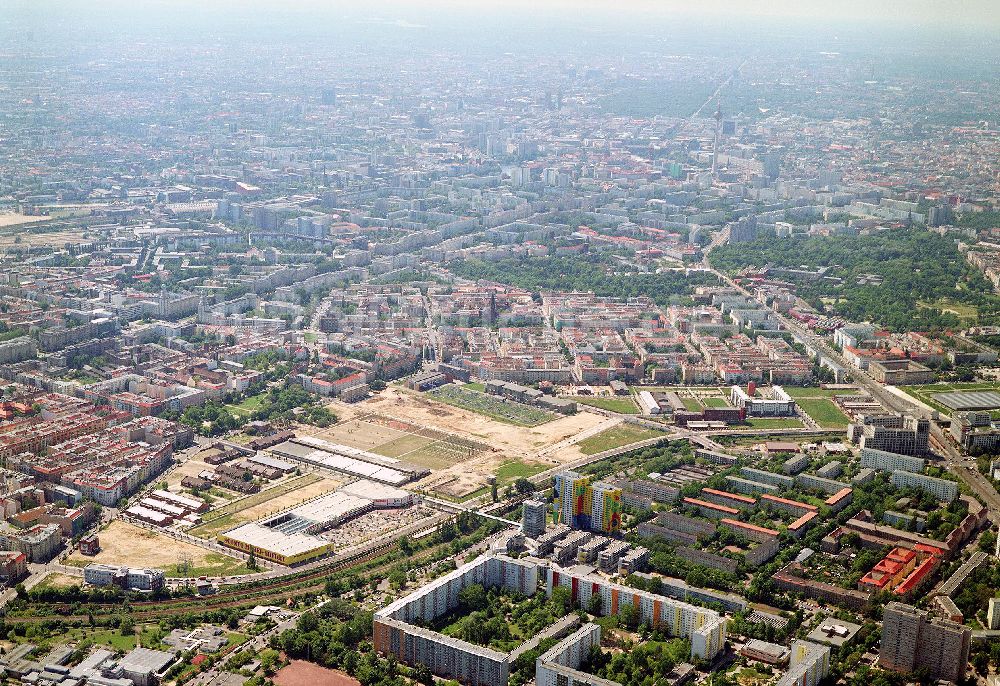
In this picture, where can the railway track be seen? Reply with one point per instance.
(153, 609)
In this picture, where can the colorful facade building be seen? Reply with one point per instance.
(582, 505)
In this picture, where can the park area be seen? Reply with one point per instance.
(127, 544)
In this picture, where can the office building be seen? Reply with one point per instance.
(912, 640)
(905, 435)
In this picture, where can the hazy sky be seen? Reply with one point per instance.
(980, 14)
(958, 29)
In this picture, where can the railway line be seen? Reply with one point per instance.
(256, 595)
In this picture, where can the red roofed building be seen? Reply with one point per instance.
(711, 510)
(793, 506)
(751, 531)
(841, 499)
(799, 526)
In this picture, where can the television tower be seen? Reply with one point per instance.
(715, 144)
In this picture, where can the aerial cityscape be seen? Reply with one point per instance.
(496, 344)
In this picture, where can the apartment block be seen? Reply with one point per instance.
(779, 405)
(765, 477)
(886, 461)
(583, 505)
(942, 489)
(912, 639)
(808, 665)
(560, 665)
(705, 628)
(533, 516)
(395, 634)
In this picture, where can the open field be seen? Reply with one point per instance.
(774, 422)
(26, 239)
(494, 407)
(14, 219)
(513, 470)
(622, 405)
(470, 446)
(258, 505)
(824, 412)
(417, 445)
(615, 437)
(715, 402)
(362, 434)
(814, 392)
(58, 580)
(964, 311)
(126, 544)
(496, 437)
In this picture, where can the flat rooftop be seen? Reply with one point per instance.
(969, 400)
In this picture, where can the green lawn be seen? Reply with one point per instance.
(515, 469)
(615, 437)
(494, 407)
(715, 402)
(774, 422)
(475, 386)
(964, 311)
(691, 404)
(216, 564)
(824, 412)
(246, 406)
(622, 405)
(814, 392)
(114, 640)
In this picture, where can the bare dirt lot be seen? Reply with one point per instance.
(460, 446)
(514, 441)
(14, 219)
(126, 544)
(301, 673)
